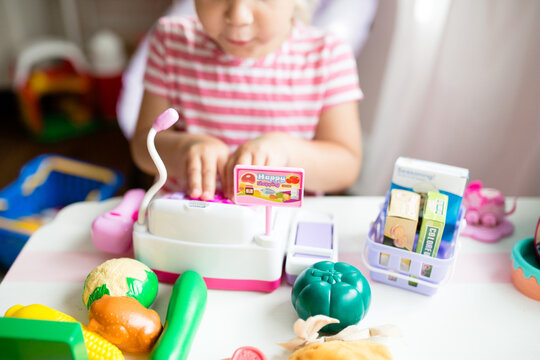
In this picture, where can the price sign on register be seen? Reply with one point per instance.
(269, 186)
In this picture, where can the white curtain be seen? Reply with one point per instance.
(460, 85)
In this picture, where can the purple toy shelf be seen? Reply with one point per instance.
(406, 269)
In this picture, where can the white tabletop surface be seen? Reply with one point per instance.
(478, 314)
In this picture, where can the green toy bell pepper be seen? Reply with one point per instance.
(338, 290)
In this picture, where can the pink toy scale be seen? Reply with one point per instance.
(485, 213)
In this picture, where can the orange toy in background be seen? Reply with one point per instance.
(125, 322)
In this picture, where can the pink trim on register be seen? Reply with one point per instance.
(225, 284)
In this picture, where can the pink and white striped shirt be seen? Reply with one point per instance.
(235, 99)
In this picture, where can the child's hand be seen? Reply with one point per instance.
(205, 158)
(270, 149)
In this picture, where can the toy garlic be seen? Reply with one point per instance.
(350, 343)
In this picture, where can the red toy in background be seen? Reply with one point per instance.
(54, 88)
(108, 60)
(485, 213)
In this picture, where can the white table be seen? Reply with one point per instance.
(478, 314)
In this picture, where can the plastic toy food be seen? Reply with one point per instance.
(32, 339)
(350, 343)
(343, 350)
(248, 353)
(338, 290)
(526, 268)
(125, 322)
(184, 314)
(121, 277)
(98, 348)
(485, 206)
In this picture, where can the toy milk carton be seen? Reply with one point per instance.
(401, 219)
(433, 222)
(423, 176)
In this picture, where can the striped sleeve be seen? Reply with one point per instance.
(156, 79)
(341, 84)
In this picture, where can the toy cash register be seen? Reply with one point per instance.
(233, 246)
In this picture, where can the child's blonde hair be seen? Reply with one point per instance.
(304, 9)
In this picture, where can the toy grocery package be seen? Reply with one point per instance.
(433, 220)
(434, 192)
(402, 219)
(423, 176)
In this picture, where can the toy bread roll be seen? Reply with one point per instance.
(343, 350)
(125, 322)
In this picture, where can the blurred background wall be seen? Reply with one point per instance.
(457, 82)
(24, 21)
(452, 81)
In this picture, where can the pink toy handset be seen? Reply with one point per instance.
(112, 232)
(485, 213)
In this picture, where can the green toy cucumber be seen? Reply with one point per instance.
(184, 314)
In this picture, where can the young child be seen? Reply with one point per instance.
(252, 86)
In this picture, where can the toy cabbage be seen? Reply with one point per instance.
(338, 290)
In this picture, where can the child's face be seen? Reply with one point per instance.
(246, 28)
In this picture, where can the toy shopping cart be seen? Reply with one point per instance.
(406, 269)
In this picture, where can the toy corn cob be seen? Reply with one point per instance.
(98, 348)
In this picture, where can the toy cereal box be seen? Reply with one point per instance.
(433, 222)
(423, 176)
(401, 219)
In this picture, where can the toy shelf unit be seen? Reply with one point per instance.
(406, 269)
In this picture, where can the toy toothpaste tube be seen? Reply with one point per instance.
(434, 218)
(423, 176)
(401, 219)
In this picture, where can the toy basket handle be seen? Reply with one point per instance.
(47, 50)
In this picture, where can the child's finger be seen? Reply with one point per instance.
(228, 176)
(220, 168)
(244, 158)
(193, 174)
(208, 173)
(259, 159)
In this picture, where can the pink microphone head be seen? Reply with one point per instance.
(165, 120)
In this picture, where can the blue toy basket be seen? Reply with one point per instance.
(48, 182)
(406, 269)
